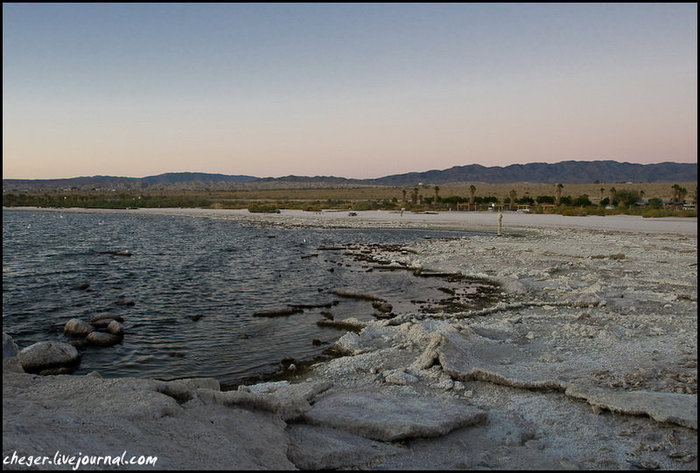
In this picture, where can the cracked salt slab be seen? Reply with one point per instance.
(390, 418)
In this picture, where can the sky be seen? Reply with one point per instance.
(348, 90)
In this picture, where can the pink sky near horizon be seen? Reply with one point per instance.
(350, 91)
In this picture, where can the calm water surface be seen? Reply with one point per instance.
(194, 283)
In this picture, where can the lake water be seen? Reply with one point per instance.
(195, 284)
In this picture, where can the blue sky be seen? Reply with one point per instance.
(353, 90)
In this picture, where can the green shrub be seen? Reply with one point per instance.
(627, 197)
(582, 201)
(573, 212)
(656, 203)
(365, 205)
(263, 208)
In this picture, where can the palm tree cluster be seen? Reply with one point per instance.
(679, 193)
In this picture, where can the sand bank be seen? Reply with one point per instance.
(483, 221)
(588, 361)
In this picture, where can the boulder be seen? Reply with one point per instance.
(102, 339)
(115, 328)
(49, 358)
(77, 328)
(103, 320)
(106, 315)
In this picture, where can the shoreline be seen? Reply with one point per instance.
(588, 362)
(462, 220)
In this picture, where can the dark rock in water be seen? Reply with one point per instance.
(354, 295)
(382, 306)
(327, 315)
(101, 323)
(49, 358)
(102, 339)
(106, 315)
(115, 328)
(177, 354)
(277, 313)
(77, 328)
(312, 306)
(103, 320)
(125, 302)
(385, 315)
(196, 317)
(316, 342)
(81, 287)
(116, 252)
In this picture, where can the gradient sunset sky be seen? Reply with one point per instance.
(352, 90)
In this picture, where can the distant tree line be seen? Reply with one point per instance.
(609, 200)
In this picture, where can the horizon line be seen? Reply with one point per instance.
(342, 177)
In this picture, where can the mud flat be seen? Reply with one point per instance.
(588, 361)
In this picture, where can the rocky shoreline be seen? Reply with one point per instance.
(589, 361)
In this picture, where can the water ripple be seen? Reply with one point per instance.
(194, 284)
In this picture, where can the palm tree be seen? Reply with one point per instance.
(676, 191)
(679, 193)
(512, 194)
(613, 192)
(404, 195)
(437, 197)
(602, 190)
(559, 188)
(472, 190)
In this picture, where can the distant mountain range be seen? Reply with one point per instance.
(565, 172)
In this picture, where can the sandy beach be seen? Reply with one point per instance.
(588, 361)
